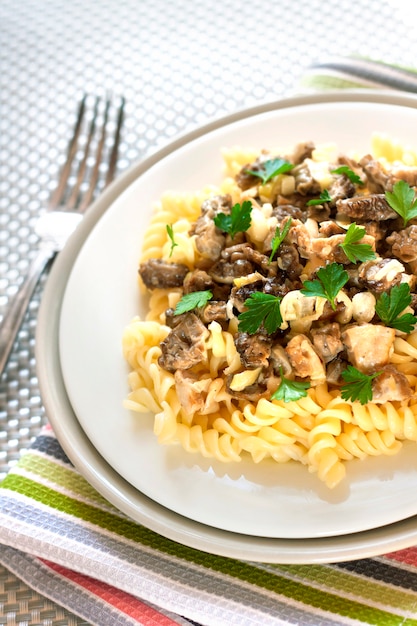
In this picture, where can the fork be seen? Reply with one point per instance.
(77, 184)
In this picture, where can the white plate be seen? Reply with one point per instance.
(166, 489)
(265, 499)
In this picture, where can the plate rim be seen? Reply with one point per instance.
(95, 468)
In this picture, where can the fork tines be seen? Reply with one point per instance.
(92, 153)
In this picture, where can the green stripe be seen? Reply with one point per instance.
(231, 567)
(327, 81)
(384, 63)
(63, 477)
(346, 582)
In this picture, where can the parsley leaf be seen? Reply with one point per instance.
(270, 168)
(402, 200)
(356, 251)
(324, 197)
(344, 169)
(192, 300)
(279, 237)
(237, 221)
(330, 280)
(170, 232)
(290, 390)
(358, 385)
(263, 309)
(390, 305)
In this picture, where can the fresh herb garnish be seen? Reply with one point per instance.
(279, 237)
(344, 169)
(402, 199)
(290, 390)
(270, 168)
(358, 385)
(330, 280)
(390, 305)
(237, 221)
(323, 197)
(263, 309)
(192, 300)
(170, 232)
(356, 251)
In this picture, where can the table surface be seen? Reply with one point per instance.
(179, 64)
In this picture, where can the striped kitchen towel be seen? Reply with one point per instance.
(64, 540)
(356, 73)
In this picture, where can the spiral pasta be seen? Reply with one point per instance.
(321, 430)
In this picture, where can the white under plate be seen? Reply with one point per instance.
(266, 511)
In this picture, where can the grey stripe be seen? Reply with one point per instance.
(229, 592)
(44, 580)
(63, 592)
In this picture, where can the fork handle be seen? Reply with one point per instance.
(18, 305)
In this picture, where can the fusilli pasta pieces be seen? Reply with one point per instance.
(201, 408)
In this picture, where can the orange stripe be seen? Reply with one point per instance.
(408, 556)
(117, 598)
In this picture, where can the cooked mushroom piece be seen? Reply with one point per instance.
(209, 240)
(197, 280)
(380, 274)
(404, 244)
(344, 159)
(341, 188)
(302, 151)
(252, 393)
(377, 177)
(369, 346)
(246, 252)
(409, 174)
(254, 350)
(214, 311)
(329, 313)
(281, 284)
(390, 386)
(240, 293)
(280, 361)
(284, 210)
(327, 342)
(319, 212)
(334, 371)
(300, 235)
(260, 260)
(288, 260)
(305, 183)
(330, 228)
(216, 204)
(372, 207)
(375, 229)
(244, 179)
(159, 274)
(225, 272)
(171, 319)
(184, 346)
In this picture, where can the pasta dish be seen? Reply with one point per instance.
(281, 320)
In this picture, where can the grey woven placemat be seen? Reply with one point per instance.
(21, 605)
(178, 64)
